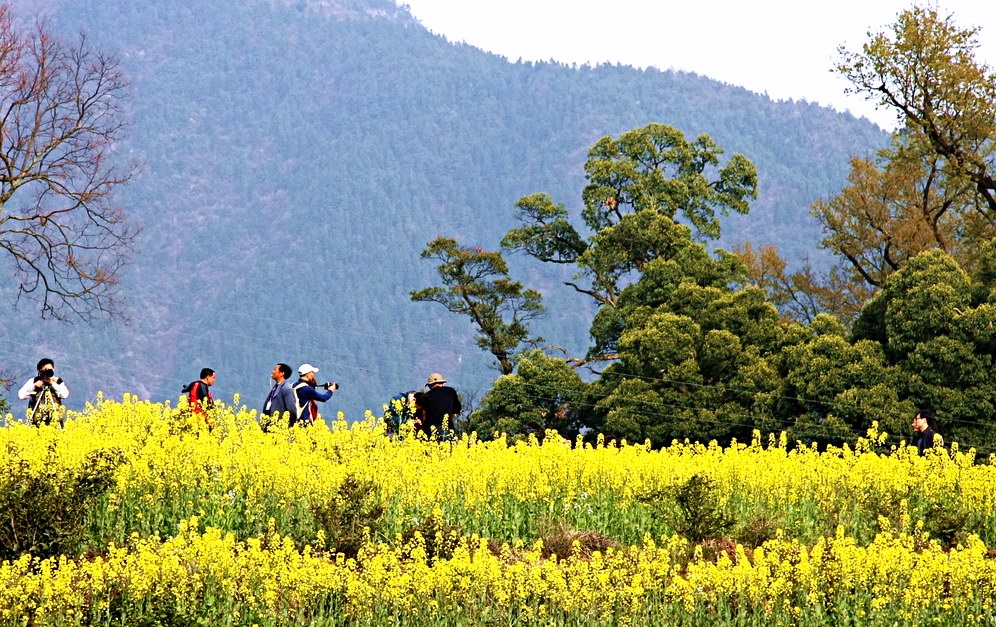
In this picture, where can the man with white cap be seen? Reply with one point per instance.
(441, 405)
(307, 395)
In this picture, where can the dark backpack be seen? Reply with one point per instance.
(398, 412)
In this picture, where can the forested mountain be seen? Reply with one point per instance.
(299, 154)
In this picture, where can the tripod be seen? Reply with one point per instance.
(46, 407)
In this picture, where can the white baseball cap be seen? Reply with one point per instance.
(305, 369)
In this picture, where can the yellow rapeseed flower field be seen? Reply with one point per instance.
(180, 524)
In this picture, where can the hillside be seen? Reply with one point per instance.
(298, 155)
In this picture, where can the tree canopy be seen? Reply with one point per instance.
(690, 347)
(925, 70)
(639, 187)
(685, 346)
(476, 284)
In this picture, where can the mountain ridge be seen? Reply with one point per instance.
(298, 160)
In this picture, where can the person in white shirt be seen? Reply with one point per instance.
(44, 393)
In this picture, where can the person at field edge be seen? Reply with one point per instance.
(34, 391)
(925, 431)
(198, 393)
(400, 409)
(281, 397)
(308, 396)
(440, 406)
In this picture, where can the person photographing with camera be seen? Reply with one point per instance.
(44, 393)
(308, 396)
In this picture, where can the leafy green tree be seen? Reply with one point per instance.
(694, 355)
(476, 284)
(918, 303)
(544, 393)
(924, 302)
(687, 346)
(836, 389)
(941, 341)
(634, 181)
(984, 275)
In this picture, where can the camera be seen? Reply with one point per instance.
(46, 374)
(331, 385)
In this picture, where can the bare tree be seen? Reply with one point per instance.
(60, 119)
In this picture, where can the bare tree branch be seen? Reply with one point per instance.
(60, 121)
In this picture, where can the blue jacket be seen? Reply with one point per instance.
(308, 398)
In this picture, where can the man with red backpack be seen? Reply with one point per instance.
(198, 392)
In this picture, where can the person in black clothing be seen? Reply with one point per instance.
(925, 429)
(440, 406)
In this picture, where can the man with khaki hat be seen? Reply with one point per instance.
(441, 406)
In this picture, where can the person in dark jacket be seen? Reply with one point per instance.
(400, 410)
(308, 396)
(925, 431)
(441, 406)
(281, 397)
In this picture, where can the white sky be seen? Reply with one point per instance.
(784, 48)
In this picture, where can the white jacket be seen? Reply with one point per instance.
(28, 389)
